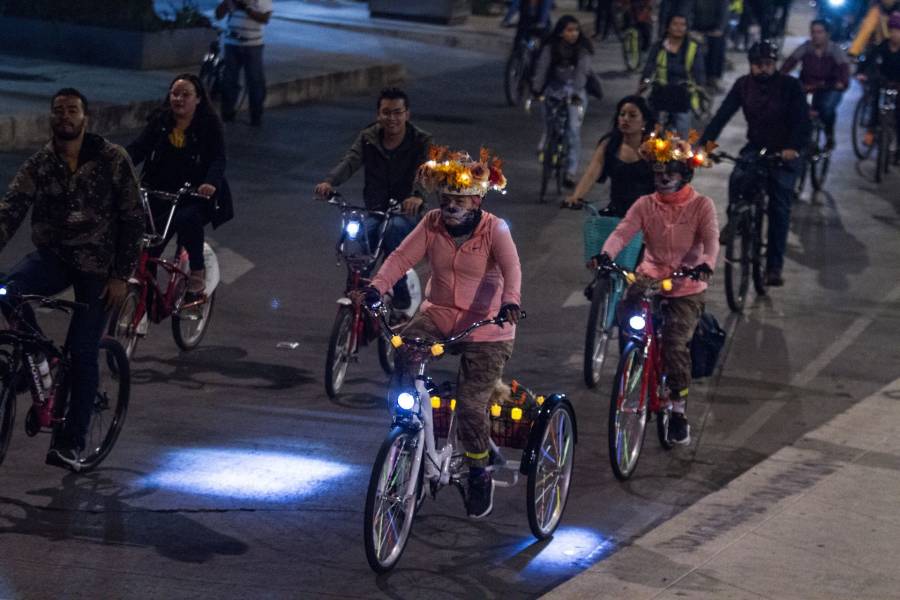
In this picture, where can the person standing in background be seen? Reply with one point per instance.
(244, 50)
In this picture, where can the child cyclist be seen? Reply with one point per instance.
(681, 232)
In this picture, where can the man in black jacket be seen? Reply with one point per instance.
(390, 151)
(777, 115)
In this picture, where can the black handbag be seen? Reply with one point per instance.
(706, 345)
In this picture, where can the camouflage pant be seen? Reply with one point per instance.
(681, 316)
(481, 365)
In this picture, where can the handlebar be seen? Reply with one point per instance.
(763, 154)
(337, 199)
(43, 301)
(658, 285)
(175, 197)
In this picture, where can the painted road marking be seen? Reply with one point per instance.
(576, 298)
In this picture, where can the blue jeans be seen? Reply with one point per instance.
(681, 121)
(396, 231)
(250, 58)
(41, 272)
(825, 102)
(780, 190)
(573, 133)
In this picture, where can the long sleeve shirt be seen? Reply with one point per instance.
(819, 71)
(873, 29)
(776, 112)
(469, 282)
(553, 79)
(91, 219)
(682, 232)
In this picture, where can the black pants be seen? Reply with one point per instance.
(43, 273)
(188, 222)
(250, 59)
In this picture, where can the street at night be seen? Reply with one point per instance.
(236, 476)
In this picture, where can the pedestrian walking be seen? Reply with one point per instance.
(244, 51)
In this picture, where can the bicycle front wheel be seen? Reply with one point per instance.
(513, 79)
(337, 358)
(599, 330)
(737, 265)
(124, 322)
(821, 159)
(8, 373)
(883, 153)
(110, 404)
(550, 474)
(190, 325)
(628, 412)
(391, 500)
(758, 252)
(862, 116)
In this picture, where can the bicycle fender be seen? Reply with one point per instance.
(345, 301)
(538, 426)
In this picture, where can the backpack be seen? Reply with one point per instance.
(707, 343)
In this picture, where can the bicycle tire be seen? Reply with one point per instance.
(758, 254)
(546, 168)
(561, 166)
(737, 280)
(818, 169)
(554, 464)
(859, 126)
(631, 51)
(119, 385)
(186, 335)
(381, 559)
(663, 418)
(882, 154)
(629, 376)
(596, 339)
(7, 401)
(513, 76)
(337, 359)
(385, 355)
(122, 324)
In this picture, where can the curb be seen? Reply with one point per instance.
(29, 129)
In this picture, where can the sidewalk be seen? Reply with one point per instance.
(818, 519)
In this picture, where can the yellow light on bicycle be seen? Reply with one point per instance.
(630, 278)
(453, 404)
(435, 402)
(516, 413)
(540, 400)
(495, 410)
(396, 341)
(637, 323)
(666, 285)
(437, 349)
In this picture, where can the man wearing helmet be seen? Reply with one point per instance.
(475, 275)
(777, 115)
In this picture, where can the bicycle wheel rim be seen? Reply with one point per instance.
(122, 327)
(512, 81)
(628, 414)
(860, 118)
(601, 334)
(110, 405)
(338, 357)
(389, 514)
(191, 325)
(737, 268)
(551, 474)
(818, 168)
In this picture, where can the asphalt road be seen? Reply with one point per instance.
(237, 477)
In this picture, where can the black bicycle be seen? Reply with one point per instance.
(518, 69)
(554, 155)
(862, 120)
(885, 129)
(817, 157)
(28, 353)
(744, 233)
(212, 72)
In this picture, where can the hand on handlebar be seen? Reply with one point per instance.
(701, 272)
(114, 292)
(207, 190)
(601, 260)
(412, 205)
(509, 313)
(324, 190)
(789, 154)
(367, 296)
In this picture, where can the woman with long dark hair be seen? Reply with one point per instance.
(617, 159)
(562, 71)
(184, 142)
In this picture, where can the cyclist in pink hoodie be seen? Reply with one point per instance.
(681, 232)
(475, 275)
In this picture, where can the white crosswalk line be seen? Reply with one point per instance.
(576, 298)
(232, 266)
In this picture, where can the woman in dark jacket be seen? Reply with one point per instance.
(616, 158)
(184, 143)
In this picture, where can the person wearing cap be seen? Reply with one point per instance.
(882, 64)
(777, 115)
(475, 275)
(681, 232)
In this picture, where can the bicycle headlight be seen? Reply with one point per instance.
(836, 3)
(3, 290)
(637, 323)
(406, 401)
(352, 229)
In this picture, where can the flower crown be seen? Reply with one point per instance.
(668, 147)
(459, 173)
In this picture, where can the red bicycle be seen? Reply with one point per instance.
(639, 389)
(159, 288)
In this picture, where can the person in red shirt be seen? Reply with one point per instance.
(681, 232)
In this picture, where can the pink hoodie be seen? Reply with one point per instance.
(468, 283)
(680, 230)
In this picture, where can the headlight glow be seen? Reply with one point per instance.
(637, 323)
(836, 3)
(406, 401)
(352, 229)
(3, 290)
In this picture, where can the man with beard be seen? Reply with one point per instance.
(87, 224)
(777, 115)
(475, 275)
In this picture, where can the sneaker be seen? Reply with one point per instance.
(65, 457)
(679, 430)
(569, 182)
(774, 278)
(480, 496)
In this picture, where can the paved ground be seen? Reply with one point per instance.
(237, 477)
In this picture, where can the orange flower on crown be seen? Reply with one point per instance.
(459, 173)
(663, 147)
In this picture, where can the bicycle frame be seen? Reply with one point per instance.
(651, 342)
